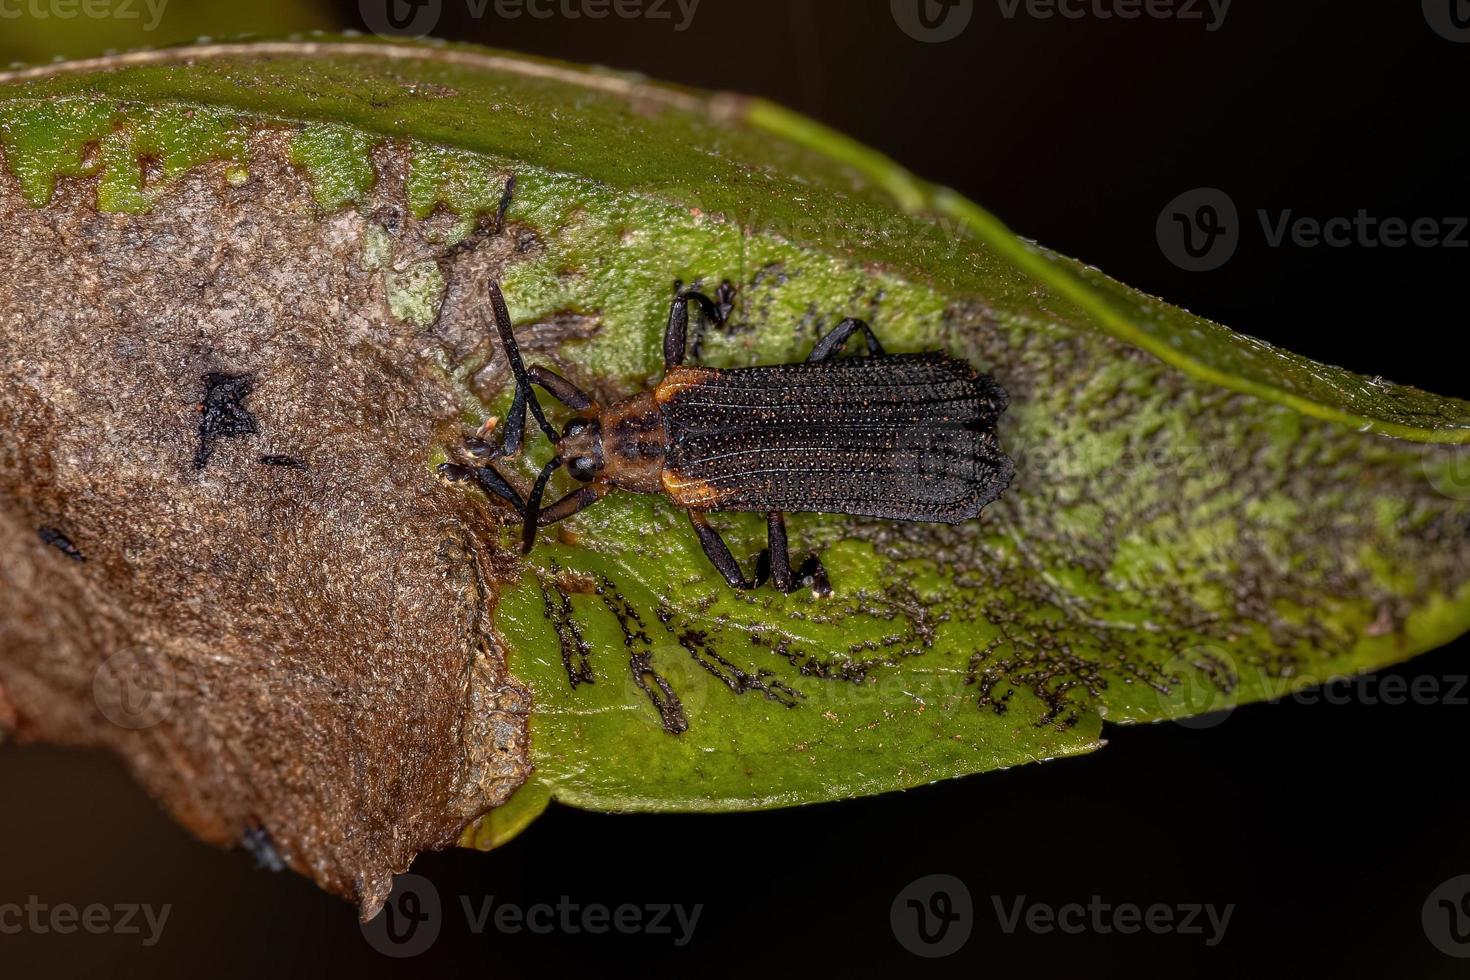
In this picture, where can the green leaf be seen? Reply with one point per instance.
(38, 32)
(1198, 519)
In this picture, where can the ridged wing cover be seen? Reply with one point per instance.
(907, 437)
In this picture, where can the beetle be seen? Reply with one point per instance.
(903, 437)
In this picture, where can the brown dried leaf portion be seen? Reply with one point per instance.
(282, 619)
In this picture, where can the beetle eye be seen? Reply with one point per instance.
(576, 427)
(583, 468)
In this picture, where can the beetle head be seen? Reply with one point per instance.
(581, 446)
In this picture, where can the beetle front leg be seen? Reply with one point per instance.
(676, 335)
(573, 503)
(830, 345)
(491, 483)
(515, 422)
(515, 431)
(811, 572)
(719, 555)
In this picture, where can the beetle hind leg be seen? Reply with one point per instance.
(772, 564)
(811, 573)
(718, 553)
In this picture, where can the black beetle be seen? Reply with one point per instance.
(907, 437)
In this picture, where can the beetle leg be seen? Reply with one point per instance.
(830, 345)
(780, 557)
(811, 573)
(719, 555)
(487, 479)
(515, 428)
(525, 397)
(573, 503)
(515, 422)
(560, 388)
(676, 335)
(725, 301)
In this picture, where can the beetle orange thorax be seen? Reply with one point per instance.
(633, 440)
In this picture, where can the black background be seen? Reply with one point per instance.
(1326, 825)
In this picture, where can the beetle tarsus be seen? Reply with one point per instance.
(676, 335)
(814, 576)
(778, 558)
(487, 479)
(831, 345)
(725, 301)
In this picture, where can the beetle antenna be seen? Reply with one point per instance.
(533, 508)
(513, 354)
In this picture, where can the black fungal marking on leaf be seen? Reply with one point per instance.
(1051, 681)
(575, 650)
(699, 647)
(670, 709)
(527, 242)
(640, 661)
(258, 844)
(223, 413)
(1217, 670)
(56, 539)
(286, 462)
(628, 619)
(809, 665)
(506, 196)
(557, 586)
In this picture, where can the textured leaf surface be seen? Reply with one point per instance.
(1198, 518)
